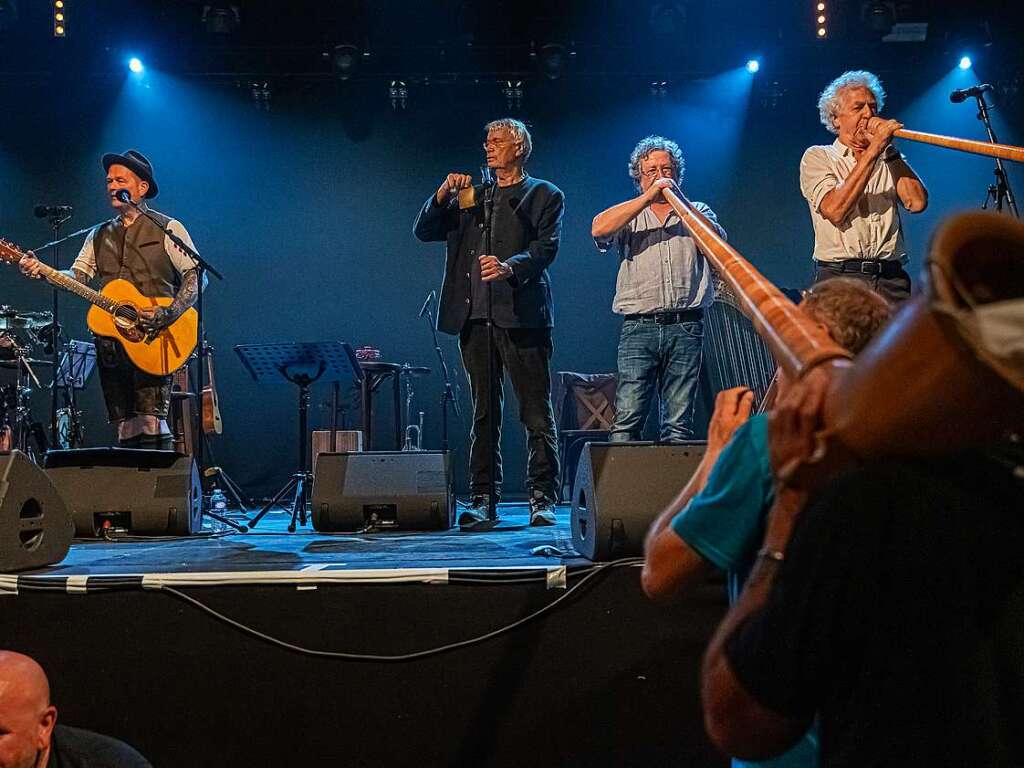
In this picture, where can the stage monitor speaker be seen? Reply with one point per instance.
(35, 527)
(620, 489)
(132, 490)
(408, 490)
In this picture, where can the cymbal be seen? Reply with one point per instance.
(11, 319)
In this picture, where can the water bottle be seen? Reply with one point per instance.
(218, 501)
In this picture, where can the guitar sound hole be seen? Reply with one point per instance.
(126, 315)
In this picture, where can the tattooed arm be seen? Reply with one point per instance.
(158, 318)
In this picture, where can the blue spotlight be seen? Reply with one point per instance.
(965, 62)
(135, 65)
(753, 65)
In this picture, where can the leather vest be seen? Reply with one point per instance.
(136, 254)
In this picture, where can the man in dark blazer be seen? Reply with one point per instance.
(525, 230)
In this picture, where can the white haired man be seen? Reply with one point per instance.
(663, 286)
(526, 227)
(854, 187)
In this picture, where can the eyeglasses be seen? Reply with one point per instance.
(666, 171)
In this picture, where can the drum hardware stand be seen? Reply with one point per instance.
(23, 427)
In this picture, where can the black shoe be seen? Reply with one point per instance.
(542, 509)
(476, 512)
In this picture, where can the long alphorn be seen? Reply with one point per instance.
(1002, 151)
(797, 343)
(940, 391)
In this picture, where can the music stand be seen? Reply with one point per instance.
(301, 364)
(76, 365)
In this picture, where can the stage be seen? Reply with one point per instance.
(439, 648)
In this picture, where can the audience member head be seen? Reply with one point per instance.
(849, 310)
(26, 715)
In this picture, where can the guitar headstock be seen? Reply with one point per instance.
(9, 252)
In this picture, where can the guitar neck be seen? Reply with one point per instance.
(79, 289)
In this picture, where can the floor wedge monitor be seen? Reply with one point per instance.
(128, 490)
(408, 490)
(620, 488)
(35, 527)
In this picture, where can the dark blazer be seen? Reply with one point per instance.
(527, 241)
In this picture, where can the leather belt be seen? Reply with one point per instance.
(669, 318)
(879, 267)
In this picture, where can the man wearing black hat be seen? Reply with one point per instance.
(132, 247)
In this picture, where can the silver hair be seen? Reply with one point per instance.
(828, 102)
(518, 130)
(656, 144)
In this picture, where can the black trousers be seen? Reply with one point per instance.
(127, 391)
(895, 286)
(525, 354)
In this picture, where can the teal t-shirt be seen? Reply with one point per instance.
(724, 524)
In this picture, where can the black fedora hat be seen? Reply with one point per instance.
(138, 164)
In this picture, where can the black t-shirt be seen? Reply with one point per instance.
(504, 229)
(898, 617)
(76, 748)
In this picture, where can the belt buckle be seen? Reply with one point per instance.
(870, 267)
(664, 318)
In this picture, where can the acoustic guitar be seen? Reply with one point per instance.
(115, 314)
(212, 423)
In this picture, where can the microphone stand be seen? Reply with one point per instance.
(493, 421)
(201, 267)
(56, 333)
(999, 192)
(448, 396)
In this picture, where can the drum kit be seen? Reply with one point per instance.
(20, 334)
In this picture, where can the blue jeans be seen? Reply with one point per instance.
(662, 358)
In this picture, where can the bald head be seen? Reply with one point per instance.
(23, 680)
(26, 715)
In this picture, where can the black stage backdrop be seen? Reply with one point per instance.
(307, 209)
(607, 678)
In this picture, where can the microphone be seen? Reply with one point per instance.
(42, 211)
(965, 93)
(426, 303)
(124, 196)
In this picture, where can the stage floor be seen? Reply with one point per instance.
(269, 555)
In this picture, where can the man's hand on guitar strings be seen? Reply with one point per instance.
(154, 319)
